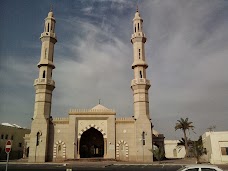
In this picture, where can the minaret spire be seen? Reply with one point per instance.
(44, 85)
(140, 85)
(51, 7)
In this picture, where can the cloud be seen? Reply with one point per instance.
(188, 63)
(87, 10)
(186, 50)
(100, 74)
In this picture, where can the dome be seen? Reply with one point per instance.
(99, 107)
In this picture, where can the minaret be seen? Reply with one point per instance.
(140, 86)
(44, 85)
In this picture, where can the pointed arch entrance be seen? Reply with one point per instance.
(91, 144)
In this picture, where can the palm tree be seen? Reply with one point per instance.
(182, 141)
(184, 125)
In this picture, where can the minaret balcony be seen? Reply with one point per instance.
(138, 34)
(140, 81)
(139, 63)
(48, 34)
(46, 63)
(44, 81)
(138, 37)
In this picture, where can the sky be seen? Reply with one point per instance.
(186, 50)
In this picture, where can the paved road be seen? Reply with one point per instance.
(144, 167)
(60, 167)
(92, 166)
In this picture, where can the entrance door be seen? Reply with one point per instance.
(91, 144)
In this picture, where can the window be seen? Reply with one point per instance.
(20, 145)
(140, 73)
(135, 28)
(224, 150)
(43, 74)
(175, 152)
(207, 169)
(6, 137)
(138, 26)
(59, 148)
(139, 53)
(48, 28)
(194, 169)
(2, 136)
(37, 138)
(11, 137)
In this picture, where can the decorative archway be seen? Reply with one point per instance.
(122, 150)
(59, 150)
(92, 126)
(91, 144)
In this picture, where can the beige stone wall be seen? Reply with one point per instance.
(16, 136)
(125, 139)
(143, 153)
(60, 137)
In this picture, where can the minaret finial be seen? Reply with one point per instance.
(99, 101)
(137, 8)
(51, 7)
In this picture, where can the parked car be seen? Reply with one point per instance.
(200, 167)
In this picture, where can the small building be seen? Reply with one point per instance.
(216, 144)
(173, 150)
(14, 133)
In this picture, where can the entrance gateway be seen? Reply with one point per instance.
(91, 144)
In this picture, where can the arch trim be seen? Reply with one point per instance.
(92, 126)
(60, 142)
(118, 149)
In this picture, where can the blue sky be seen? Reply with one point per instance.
(186, 51)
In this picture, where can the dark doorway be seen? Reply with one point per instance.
(91, 144)
(27, 152)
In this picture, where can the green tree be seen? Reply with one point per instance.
(184, 125)
(158, 153)
(197, 149)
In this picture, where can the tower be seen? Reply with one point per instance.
(140, 86)
(44, 85)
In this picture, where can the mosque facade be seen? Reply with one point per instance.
(96, 132)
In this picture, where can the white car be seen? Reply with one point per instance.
(200, 167)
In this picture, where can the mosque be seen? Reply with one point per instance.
(96, 132)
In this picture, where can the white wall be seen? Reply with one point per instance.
(214, 142)
(172, 150)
